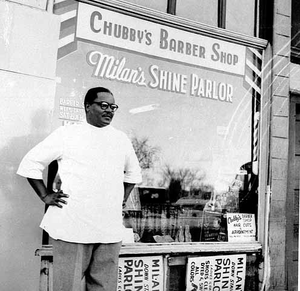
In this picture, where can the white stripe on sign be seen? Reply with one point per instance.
(66, 40)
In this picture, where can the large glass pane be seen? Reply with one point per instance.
(196, 159)
(160, 5)
(195, 147)
(186, 101)
(240, 16)
(205, 11)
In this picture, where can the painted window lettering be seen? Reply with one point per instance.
(180, 46)
(167, 81)
(112, 68)
(109, 67)
(118, 31)
(222, 56)
(94, 20)
(139, 35)
(211, 89)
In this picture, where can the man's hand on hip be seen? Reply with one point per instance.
(55, 199)
(52, 198)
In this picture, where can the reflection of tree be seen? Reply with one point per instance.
(146, 153)
(184, 182)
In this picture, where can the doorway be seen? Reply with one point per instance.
(293, 194)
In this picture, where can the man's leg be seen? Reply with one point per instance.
(102, 274)
(70, 260)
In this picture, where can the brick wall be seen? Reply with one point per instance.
(279, 142)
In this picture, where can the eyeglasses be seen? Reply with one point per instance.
(104, 105)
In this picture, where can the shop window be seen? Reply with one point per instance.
(236, 15)
(190, 104)
(240, 16)
(197, 173)
(205, 11)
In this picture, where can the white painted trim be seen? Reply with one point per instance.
(190, 248)
(178, 22)
(176, 248)
(66, 40)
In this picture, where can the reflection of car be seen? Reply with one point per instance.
(159, 217)
(191, 211)
(151, 194)
(192, 203)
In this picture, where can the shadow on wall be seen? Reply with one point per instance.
(21, 211)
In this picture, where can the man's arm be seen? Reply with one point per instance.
(48, 197)
(127, 190)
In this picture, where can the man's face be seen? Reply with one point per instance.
(95, 115)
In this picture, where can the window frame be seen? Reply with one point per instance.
(171, 20)
(174, 21)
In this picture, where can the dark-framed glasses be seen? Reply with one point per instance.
(104, 105)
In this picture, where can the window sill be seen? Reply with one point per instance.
(201, 247)
(171, 248)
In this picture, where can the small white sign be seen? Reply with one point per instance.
(216, 273)
(140, 274)
(241, 227)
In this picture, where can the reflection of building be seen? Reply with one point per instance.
(214, 84)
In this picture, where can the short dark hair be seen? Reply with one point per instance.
(91, 94)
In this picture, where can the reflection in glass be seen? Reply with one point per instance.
(172, 214)
(196, 153)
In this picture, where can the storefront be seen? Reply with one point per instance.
(190, 99)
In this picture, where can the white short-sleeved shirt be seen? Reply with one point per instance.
(93, 164)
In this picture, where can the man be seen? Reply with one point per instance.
(98, 169)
